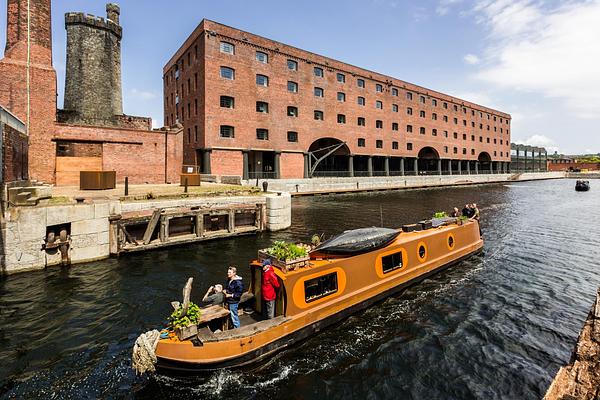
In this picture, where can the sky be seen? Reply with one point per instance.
(537, 60)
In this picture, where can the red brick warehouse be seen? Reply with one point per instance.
(259, 108)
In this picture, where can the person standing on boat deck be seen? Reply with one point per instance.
(214, 296)
(455, 213)
(467, 211)
(475, 211)
(233, 292)
(269, 285)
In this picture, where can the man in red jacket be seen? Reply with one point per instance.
(269, 284)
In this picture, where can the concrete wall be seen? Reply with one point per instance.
(24, 228)
(398, 182)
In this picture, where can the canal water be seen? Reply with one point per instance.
(496, 326)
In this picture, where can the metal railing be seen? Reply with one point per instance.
(261, 175)
(330, 174)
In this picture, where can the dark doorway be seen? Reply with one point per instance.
(428, 161)
(329, 157)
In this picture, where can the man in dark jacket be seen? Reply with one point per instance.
(269, 284)
(233, 292)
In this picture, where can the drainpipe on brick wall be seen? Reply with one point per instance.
(166, 153)
(28, 62)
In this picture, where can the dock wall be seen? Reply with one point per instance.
(24, 230)
(358, 184)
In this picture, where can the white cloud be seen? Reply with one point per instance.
(541, 141)
(553, 52)
(142, 94)
(444, 6)
(471, 59)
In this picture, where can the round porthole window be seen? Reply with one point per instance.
(422, 251)
(450, 241)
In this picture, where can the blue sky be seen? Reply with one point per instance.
(537, 60)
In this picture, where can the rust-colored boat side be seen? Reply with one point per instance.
(361, 281)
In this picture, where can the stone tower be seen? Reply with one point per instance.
(28, 80)
(93, 94)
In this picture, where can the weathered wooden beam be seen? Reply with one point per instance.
(199, 225)
(128, 236)
(152, 225)
(187, 290)
(231, 221)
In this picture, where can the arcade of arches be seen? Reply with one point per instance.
(332, 157)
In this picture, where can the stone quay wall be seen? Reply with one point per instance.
(23, 229)
(341, 185)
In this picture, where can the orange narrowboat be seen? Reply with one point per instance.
(326, 290)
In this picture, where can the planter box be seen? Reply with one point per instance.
(288, 265)
(186, 332)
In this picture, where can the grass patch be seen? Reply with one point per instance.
(56, 200)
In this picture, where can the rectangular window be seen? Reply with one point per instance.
(408, 96)
(196, 133)
(319, 115)
(227, 131)
(262, 134)
(292, 136)
(434, 102)
(464, 151)
(473, 138)
(473, 152)
(318, 72)
(409, 111)
(455, 150)
(422, 130)
(262, 80)
(318, 92)
(341, 119)
(292, 65)
(394, 92)
(480, 139)
(464, 136)
(341, 78)
(262, 107)
(341, 96)
(487, 140)
(361, 121)
(379, 105)
(434, 132)
(392, 262)
(409, 128)
(292, 111)
(472, 124)
(445, 105)
(394, 107)
(292, 87)
(445, 118)
(378, 88)
(434, 116)
(360, 83)
(422, 99)
(379, 124)
(445, 149)
(422, 114)
(394, 145)
(409, 146)
(227, 73)
(455, 121)
(361, 101)
(394, 126)
(262, 57)
(379, 144)
(227, 102)
(361, 142)
(227, 48)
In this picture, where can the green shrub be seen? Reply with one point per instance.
(286, 251)
(440, 214)
(176, 320)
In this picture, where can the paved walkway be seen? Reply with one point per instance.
(138, 192)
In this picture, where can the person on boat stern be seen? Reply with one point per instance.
(233, 292)
(268, 289)
(214, 296)
(475, 213)
(455, 213)
(467, 211)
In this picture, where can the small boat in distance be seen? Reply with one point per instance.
(582, 186)
(340, 277)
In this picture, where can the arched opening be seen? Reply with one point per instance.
(485, 162)
(428, 160)
(328, 157)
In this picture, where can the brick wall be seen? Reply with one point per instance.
(572, 166)
(226, 162)
(292, 165)
(14, 154)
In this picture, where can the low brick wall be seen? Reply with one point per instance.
(328, 185)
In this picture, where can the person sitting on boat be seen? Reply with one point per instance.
(233, 292)
(268, 289)
(455, 213)
(214, 296)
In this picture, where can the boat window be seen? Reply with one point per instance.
(422, 252)
(391, 262)
(450, 242)
(320, 287)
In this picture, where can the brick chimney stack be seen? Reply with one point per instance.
(37, 18)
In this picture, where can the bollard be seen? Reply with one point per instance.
(265, 185)
(126, 186)
(185, 185)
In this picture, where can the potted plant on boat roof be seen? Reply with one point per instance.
(287, 256)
